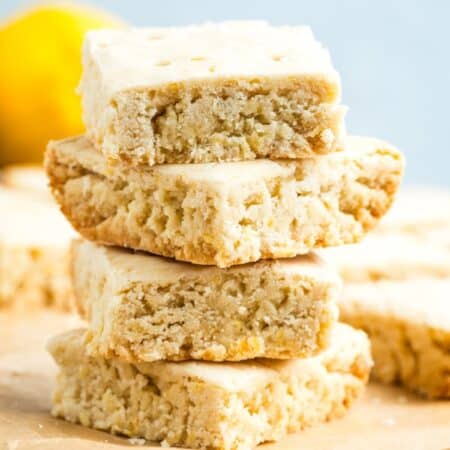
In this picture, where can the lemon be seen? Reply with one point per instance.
(40, 66)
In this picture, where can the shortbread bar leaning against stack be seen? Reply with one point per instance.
(226, 406)
(216, 92)
(230, 213)
(145, 308)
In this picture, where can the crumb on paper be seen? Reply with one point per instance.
(136, 441)
(40, 426)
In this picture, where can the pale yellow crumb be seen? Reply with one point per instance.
(230, 213)
(143, 307)
(209, 405)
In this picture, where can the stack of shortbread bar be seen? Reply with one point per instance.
(208, 147)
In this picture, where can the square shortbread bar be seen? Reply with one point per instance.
(215, 92)
(34, 252)
(146, 308)
(229, 406)
(408, 324)
(390, 256)
(230, 213)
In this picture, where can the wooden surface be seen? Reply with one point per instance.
(386, 418)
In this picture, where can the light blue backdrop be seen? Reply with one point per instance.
(393, 56)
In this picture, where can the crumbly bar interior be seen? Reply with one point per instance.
(239, 120)
(214, 92)
(205, 405)
(226, 214)
(267, 309)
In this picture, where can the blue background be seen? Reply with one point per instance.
(393, 57)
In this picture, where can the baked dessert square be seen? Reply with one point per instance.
(215, 92)
(34, 252)
(143, 307)
(229, 213)
(408, 324)
(209, 405)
